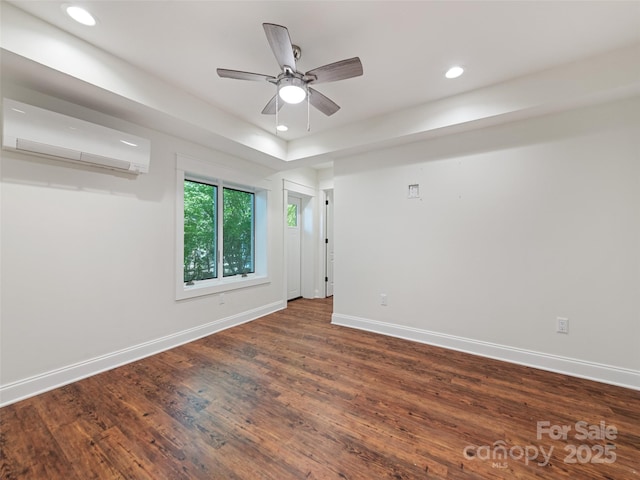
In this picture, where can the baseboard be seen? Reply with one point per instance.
(35, 385)
(569, 366)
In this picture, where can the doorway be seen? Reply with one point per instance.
(294, 264)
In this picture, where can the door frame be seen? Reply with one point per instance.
(327, 239)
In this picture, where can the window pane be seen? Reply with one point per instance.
(200, 244)
(292, 215)
(238, 232)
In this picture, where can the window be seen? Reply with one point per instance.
(292, 215)
(238, 230)
(221, 234)
(200, 232)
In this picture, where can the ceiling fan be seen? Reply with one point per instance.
(293, 86)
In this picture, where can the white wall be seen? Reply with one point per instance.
(88, 258)
(516, 225)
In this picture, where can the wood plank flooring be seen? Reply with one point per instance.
(290, 396)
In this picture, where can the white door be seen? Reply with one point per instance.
(294, 269)
(328, 228)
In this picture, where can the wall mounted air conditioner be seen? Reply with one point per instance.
(34, 130)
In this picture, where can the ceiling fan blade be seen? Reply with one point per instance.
(341, 70)
(322, 103)
(270, 107)
(238, 75)
(280, 42)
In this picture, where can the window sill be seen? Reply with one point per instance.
(211, 287)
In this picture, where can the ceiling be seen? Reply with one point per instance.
(405, 47)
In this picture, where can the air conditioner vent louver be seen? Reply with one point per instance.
(45, 149)
(31, 129)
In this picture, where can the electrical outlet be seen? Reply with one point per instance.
(383, 299)
(562, 325)
(222, 299)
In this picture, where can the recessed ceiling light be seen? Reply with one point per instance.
(129, 143)
(454, 72)
(80, 15)
(282, 128)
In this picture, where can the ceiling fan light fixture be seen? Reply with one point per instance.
(292, 90)
(293, 86)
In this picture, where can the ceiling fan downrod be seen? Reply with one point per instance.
(297, 52)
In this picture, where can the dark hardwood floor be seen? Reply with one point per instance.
(290, 396)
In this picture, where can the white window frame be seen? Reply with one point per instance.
(188, 168)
